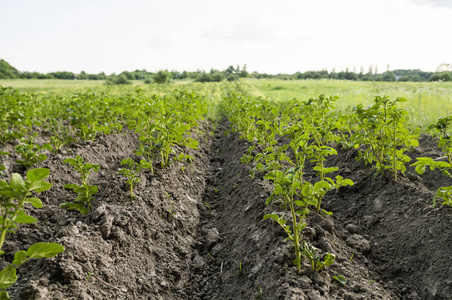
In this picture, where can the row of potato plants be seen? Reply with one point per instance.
(163, 122)
(284, 136)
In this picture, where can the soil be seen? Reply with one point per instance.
(196, 231)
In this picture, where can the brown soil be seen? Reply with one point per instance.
(196, 231)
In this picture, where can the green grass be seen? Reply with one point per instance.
(45, 85)
(427, 101)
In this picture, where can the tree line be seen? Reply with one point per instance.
(231, 74)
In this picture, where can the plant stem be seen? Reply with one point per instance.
(394, 170)
(3, 235)
(295, 235)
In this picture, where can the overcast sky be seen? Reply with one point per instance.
(269, 36)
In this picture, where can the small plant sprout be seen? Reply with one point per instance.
(259, 292)
(88, 276)
(170, 212)
(85, 192)
(57, 143)
(240, 267)
(13, 196)
(318, 262)
(132, 171)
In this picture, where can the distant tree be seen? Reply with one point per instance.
(232, 77)
(444, 76)
(243, 73)
(62, 75)
(82, 76)
(389, 76)
(7, 71)
(204, 77)
(217, 76)
(183, 75)
(117, 79)
(162, 76)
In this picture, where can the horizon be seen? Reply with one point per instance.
(272, 38)
(221, 70)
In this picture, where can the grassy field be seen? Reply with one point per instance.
(426, 100)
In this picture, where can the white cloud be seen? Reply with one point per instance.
(438, 3)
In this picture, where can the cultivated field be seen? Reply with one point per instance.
(243, 190)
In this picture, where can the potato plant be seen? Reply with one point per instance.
(382, 130)
(444, 164)
(165, 123)
(84, 191)
(13, 197)
(131, 172)
(30, 152)
(308, 128)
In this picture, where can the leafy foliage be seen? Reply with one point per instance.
(30, 152)
(85, 192)
(383, 132)
(132, 171)
(443, 126)
(13, 196)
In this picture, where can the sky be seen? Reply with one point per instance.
(268, 36)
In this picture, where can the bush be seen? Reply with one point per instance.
(232, 77)
(113, 80)
(204, 77)
(162, 77)
(444, 76)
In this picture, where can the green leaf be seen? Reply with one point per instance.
(126, 161)
(8, 277)
(70, 161)
(322, 184)
(36, 202)
(37, 174)
(42, 157)
(4, 295)
(41, 250)
(40, 186)
(329, 170)
(328, 213)
(420, 169)
(144, 164)
(341, 279)
(19, 258)
(270, 175)
(299, 203)
(271, 216)
(22, 218)
(328, 259)
(306, 189)
(17, 183)
(11, 194)
(78, 206)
